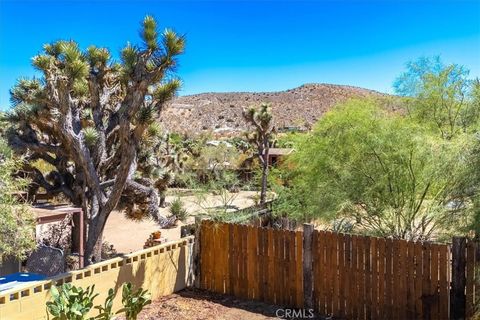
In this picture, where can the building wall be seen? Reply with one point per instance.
(161, 270)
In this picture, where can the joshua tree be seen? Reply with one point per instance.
(262, 121)
(160, 159)
(87, 117)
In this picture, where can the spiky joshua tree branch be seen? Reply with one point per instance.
(86, 117)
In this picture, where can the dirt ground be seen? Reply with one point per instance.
(128, 236)
(202, 305)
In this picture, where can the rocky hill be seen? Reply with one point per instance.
(221, 113)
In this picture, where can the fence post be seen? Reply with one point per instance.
(457, 294)
(196, 253)
(307, 265)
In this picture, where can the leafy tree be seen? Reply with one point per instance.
(390, 175)
(443, 99)
(87, 116)
(471, 180)
(411, 82)
(442, 96)
(262, 121)
(17, 224)
(212, 163)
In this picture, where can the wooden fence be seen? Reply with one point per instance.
(252, 263)
(347, 276)
(372, 278)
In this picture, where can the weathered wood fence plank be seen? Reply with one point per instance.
(340, 275)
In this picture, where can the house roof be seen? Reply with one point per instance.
(280, 151)
(52, 213)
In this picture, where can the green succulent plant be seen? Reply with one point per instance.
(70, 302)
(105, 311)
(133, 301)
(74, 303)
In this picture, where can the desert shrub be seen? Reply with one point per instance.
(187, 179)
(17, 224)
(177, 209)
(220, 206)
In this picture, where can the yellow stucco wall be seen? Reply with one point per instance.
(161, 270)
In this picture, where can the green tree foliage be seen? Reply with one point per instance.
(472, 180)
(410, 173)
(385, 172)
(87, 115)
(411, 82)
(447, 102)
(441, 96)
(17, 224)
(213, 164)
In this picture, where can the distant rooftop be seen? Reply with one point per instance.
(280, 151)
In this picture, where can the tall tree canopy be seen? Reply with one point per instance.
(408, 174)
(388, 174)
(87, 116)
(441, 96)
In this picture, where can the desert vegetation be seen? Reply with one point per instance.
(17, 224)
(87, 117)
(408, 173)
(120, 185)
(91, 131)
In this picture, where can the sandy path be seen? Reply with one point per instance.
(128, 236)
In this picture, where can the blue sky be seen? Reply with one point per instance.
(255, 46)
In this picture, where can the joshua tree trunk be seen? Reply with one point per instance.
(94, 250)
(263, 192)
(264, 161)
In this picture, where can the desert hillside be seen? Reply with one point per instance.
(222, 112)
